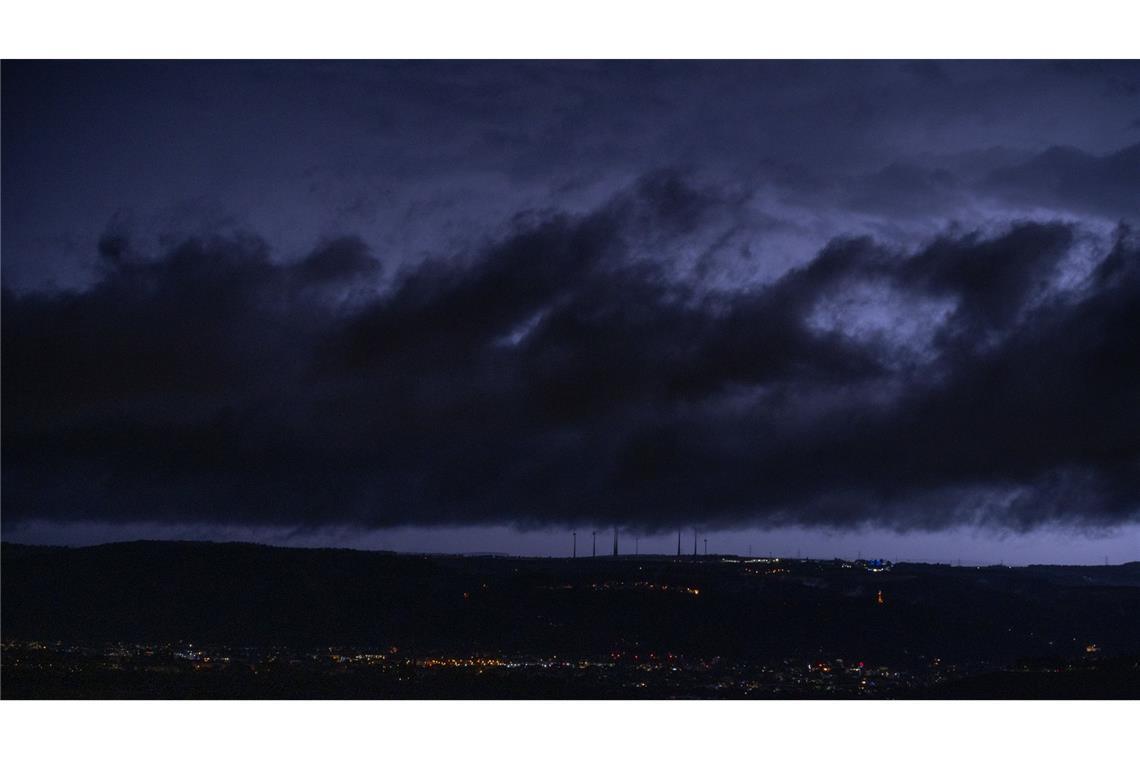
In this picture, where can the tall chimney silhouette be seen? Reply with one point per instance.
(694, 542)
(615, 540)
(594, 547)
(574, 550)
(678, 543)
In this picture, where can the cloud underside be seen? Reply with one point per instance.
(564, 374)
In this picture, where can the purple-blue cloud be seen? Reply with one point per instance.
(558, 376)
(644, 293)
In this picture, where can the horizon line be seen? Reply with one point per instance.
(604, 557)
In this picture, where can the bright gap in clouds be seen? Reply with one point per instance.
(966, 545)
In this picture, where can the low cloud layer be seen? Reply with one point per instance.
(567, 372)
(316, 296)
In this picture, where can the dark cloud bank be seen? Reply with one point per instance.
(563, 374)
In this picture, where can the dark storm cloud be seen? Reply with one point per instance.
(1060, 179)
(905, 189)
(1067, 178)
(559, 374)
(336, 261)
(648, 292)
(418, 156)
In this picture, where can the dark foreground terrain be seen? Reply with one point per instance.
(177, 620)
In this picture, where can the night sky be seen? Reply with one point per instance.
(823, 307)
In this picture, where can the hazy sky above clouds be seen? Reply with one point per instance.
(479, 303)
